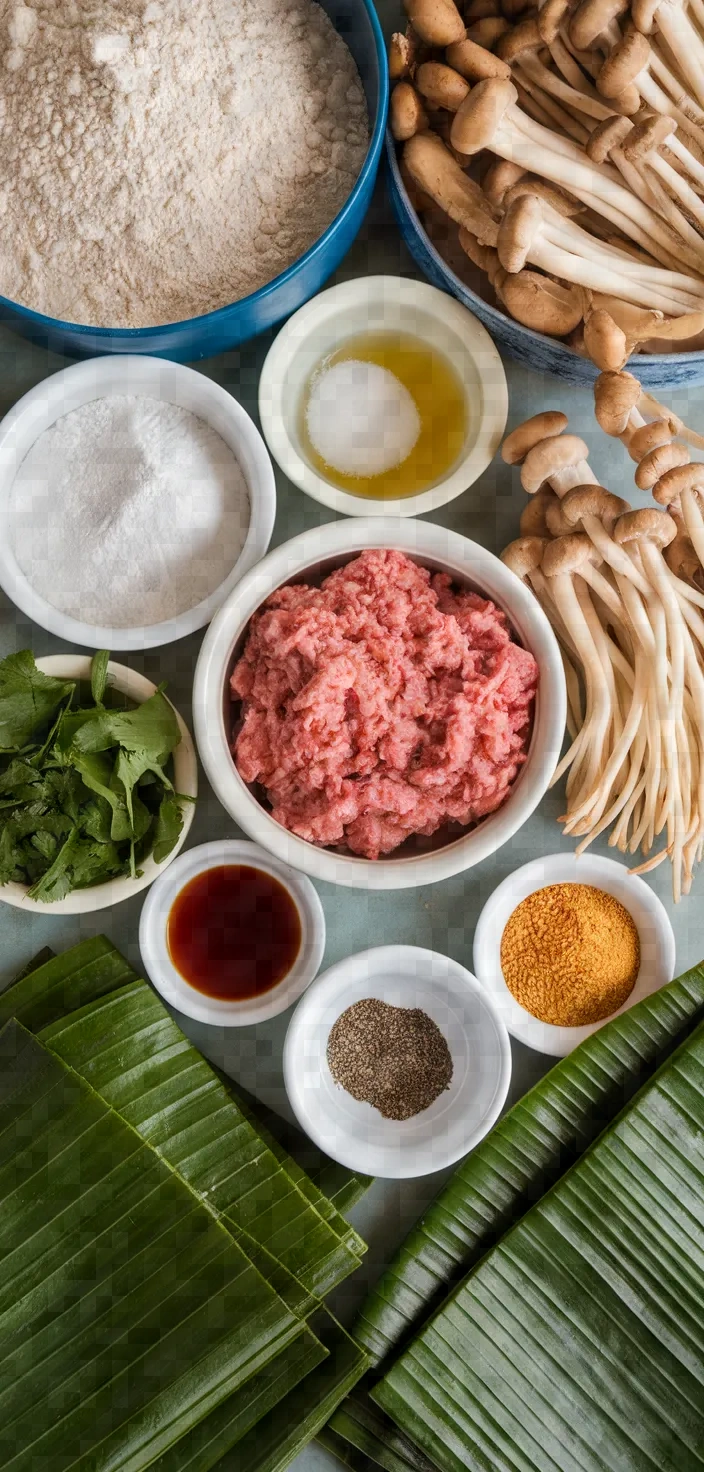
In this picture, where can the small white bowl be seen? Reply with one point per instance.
(84, 901)
(382, 304)
(657, 941)
(154, 378)
(172, 985)
(356, 1134)
(318, 551)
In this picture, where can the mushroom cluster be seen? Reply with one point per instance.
(567, 144)
(623, 592)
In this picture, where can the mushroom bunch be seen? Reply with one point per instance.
(567, 144)
(621, 590)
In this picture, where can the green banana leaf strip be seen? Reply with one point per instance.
(290, 1289)
(263, 1119)
(131, 1051)
(577, 1343)
(360, 1424)
(87, 971)
(531, 1146)
(346, 1453)
(202, 1447)
(127, 1312)
(343, 1187)
(271, 1446)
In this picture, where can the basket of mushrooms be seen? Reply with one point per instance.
(548, 168)
(624, 592)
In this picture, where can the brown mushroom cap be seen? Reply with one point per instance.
(524, 555)
(499, 178)
(629, 57)
(475, 62)
(604, 341)
(645, 137)
(542, 304)
(532, 521)
(555, 520)
(407, 115)
(682, 560)
(669, 486)
(441, 85)
(645, 526)
(524, 37)
(437, 22)
(568, 554)
(549, 456)
(563, 203)
(517, 232)
(607, 135)
(550, 18)
(593, 500)
(591, 19)
(627, 103)
(476, 121)
(657, 462)
(532, 432)
(401, 56)
(615, 395)
(488, 31)
(434, 170)
(648, 437)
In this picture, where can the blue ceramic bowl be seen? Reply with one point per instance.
(202, 337)
(657, 373)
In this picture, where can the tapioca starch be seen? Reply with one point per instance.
(162, 158)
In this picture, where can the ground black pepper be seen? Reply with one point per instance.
(395, 1058)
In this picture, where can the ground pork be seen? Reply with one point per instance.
(381, 704)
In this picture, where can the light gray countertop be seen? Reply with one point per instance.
(441, 917)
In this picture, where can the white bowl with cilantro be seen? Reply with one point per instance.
(98, 781)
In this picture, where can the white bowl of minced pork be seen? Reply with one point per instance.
(380, 703)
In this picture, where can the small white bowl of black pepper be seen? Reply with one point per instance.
(396, 1062)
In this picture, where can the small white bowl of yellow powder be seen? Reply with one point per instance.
(134, 494)
(567, 942)
(383, 396)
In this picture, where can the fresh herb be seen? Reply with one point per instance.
(85, 791)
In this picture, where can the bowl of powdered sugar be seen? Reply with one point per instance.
(134, 494)
(178, 175)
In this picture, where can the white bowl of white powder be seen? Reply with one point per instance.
(134, 495)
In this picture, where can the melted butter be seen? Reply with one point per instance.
(441, 402)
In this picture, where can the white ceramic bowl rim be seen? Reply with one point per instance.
(101, 896)
(354, 1133)
(169, 982)
(649, 914)
(156, 378)
(466, 561)
(411, 296)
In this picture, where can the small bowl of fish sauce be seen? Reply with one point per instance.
(233, 936)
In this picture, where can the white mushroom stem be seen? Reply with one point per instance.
(684, 42)
(522, 141)
(563, 249)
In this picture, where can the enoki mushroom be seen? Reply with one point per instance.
(623, 592)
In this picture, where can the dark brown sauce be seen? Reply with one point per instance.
(233, 932)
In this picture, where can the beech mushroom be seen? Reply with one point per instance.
(437, 22)
(530, 433)
(407, 115)
(542, 304)
(476, 62)
(615, 396)
(549, 457)
(441, 86)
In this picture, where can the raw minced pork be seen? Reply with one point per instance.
(382, 704)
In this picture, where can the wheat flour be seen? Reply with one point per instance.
(162, 158)
(128, 511)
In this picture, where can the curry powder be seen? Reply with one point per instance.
(570, 954)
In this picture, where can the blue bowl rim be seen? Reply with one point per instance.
(463, 292)
(55, 325)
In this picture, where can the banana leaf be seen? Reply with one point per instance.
(52, 990)
(281, 1143)
(577, 1343)
(202, 1447)
(526, 1151)
(346, 1453)
(361, 1426)
(127, 1312)
(271, 1446)
(129, 1049)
